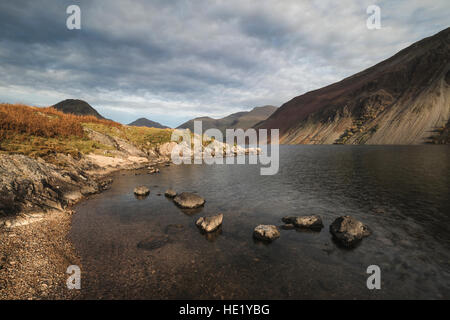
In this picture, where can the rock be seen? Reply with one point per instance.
(308, 222)
(128, 148)
(288, 219)
(29, 185)
(189, 200)
(153, 170)
(170, 193)
(165, 149)
(141, 191)
(348, 231)
(288, 226)
(266, 232)
(153, 242)
(211, 223)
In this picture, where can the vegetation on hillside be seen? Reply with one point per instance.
(39, 132)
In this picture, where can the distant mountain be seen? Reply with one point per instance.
(402, 100)
(144, 122)
(78, 107)
(239, 120)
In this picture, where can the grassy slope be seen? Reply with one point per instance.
(39, 132)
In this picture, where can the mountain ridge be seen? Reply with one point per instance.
(144, 122)
(400, 100)
(241, 119)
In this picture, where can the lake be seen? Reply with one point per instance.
(401, 192)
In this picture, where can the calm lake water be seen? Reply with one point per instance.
(401, 192)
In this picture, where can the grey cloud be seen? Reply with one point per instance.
(174, 60)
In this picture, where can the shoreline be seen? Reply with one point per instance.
(35, 249)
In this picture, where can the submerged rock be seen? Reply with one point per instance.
(154, 242)
(170, 193)
(189, 200)
(141, 191)
(174, 228)
(209, 224)
(309, 222)
(266, 232)
(348, 231)
(153, 170)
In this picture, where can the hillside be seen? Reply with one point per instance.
(144, 122)
(402, 100)
(44, 132)
(242, 120)
(77, 107)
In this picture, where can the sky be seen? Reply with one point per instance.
(171, 61)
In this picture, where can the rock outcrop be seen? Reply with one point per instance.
(211, 223)
(348, 231)
(29, 186)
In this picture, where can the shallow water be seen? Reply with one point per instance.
(401, 192)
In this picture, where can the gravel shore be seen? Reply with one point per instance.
(34, 259)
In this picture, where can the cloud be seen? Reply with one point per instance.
(174, 60)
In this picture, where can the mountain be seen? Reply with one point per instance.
(239, 120)
(402, 100)
(78, 107)
(144, 122)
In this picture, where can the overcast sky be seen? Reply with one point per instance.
(171, 61)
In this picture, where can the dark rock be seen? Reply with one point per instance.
(348, 231)
(189, 200)
(287, 226)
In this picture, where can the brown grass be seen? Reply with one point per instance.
(43, 122)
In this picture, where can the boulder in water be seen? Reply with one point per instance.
(211, 223)
(188, 200)
(170, 193)
(307, 222)
(141, 191)
(348, 231)
(266, 232)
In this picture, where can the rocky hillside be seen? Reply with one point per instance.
(242, 120)
(77, 107)
(402, 100)
(144, 122)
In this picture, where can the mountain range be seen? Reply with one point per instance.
(241, 120)
(402, 100)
